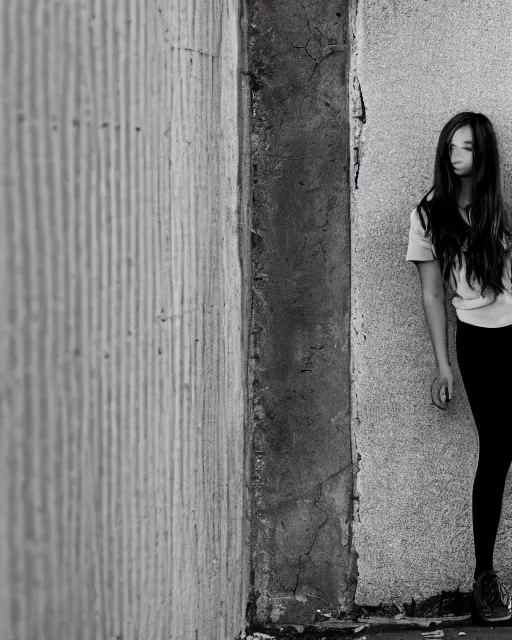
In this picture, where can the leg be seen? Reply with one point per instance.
(488, 487)
(483, 361)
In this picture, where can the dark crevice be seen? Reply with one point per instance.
(362, 115)
(356, 165)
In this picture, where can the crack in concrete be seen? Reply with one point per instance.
(325, 50)
(362, 115)
(322, 226)
(359, 112)
(305, 47)
(307, 19)
(322, 524)
(357, 166)
(358, 104)
(323, 250)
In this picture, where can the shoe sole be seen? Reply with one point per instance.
(476, 615)
(497, 618)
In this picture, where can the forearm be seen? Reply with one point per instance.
(435, 314)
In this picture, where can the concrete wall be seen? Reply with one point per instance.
(417, 63)
(123, 321)
(302, 474)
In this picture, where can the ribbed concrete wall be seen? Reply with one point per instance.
(123, 375)
(415, 64)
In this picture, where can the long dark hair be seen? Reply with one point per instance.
(485, 255)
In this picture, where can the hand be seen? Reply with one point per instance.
(442, 387)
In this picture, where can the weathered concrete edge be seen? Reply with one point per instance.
(280, 604)
(244, 235)
(357, 118)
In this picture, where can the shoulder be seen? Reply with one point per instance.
(418, 221)
(420, 216)
(420, 248)
(425, 204)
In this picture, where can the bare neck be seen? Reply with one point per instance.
(464, 195)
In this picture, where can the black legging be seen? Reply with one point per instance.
(484, 356)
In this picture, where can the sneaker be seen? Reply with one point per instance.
(492, 599)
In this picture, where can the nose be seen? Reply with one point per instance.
(454, 160)
(454, 155)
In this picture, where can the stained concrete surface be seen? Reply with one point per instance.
(302, 475)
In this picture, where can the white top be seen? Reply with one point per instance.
(470, 306)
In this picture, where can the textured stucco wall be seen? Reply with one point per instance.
(302, 476)
(123, 322)
(417, 63)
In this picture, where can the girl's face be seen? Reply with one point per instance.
(461, 151)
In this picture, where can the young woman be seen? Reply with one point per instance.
(460, 239)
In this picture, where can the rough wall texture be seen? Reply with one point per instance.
(302, 475)
(417, 63)
(123, 312)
